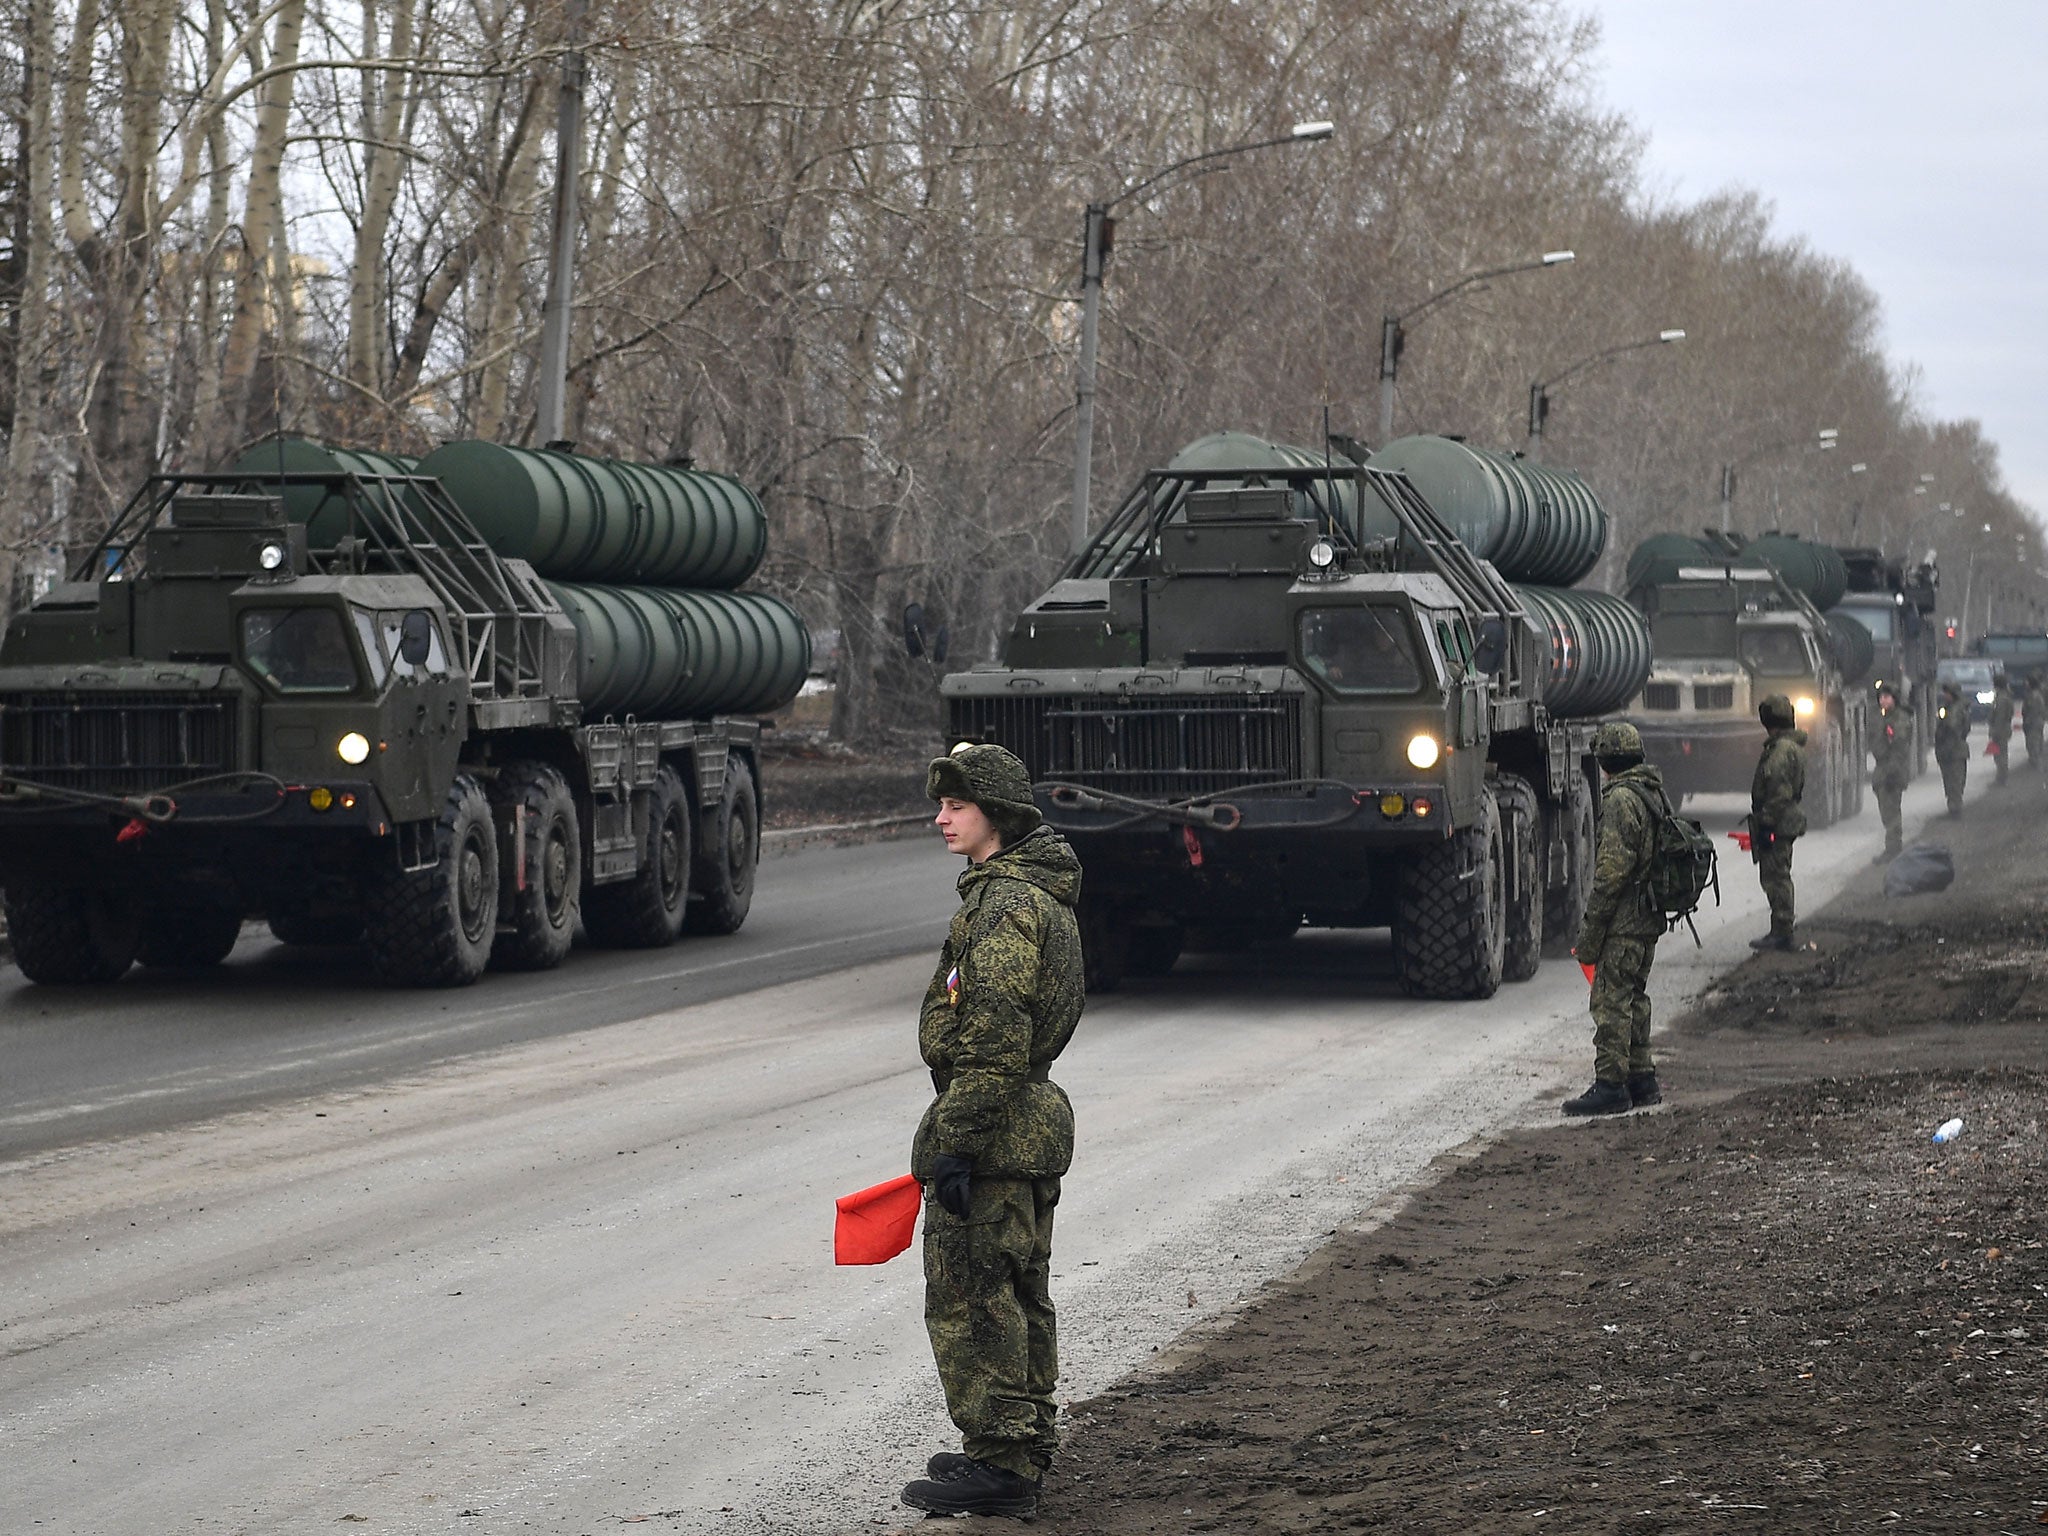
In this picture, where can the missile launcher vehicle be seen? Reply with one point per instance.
(1897, 603)
(1283, 687)
(311, 690)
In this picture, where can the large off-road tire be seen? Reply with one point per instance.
(646, 911)
(71, 936)
(540, 868)
(1155, 950)
(187, 930)
(1564, 903)
(1523, 896)
(1105, 946)
(728, 853)
(433, 927)
(1450, 918)
(294, 921)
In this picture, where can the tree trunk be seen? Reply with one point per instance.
(383, 169)
(24, 439)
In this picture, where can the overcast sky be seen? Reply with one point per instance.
(1910, 139)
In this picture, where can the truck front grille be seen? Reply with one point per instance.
(1713, 696)
(1154, 748)
(115, 743)
(1660, 695)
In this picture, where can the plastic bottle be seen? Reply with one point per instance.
(1948, 1131)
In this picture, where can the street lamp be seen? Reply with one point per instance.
(1539, 396)
(1098, 239)
(1820, 442)
(1393, 339)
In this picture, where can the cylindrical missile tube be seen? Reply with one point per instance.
(657, 652)
(1815, 570)
(325, 513)
(1535, 523)
(1599, 650)
(1853, 650)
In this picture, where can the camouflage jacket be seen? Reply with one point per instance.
(1891, 746)
(1780, 782)
(2030, 708)
(1002, 1004)
(2001, 714)
(1618, 904)
(1952, 731)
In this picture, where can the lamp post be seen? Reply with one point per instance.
(1819, 442)
(1539, 392)
(1098, 239)
(1394, 338)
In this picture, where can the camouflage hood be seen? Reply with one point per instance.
(1798, 735)
(1042, 859)
(1644, 776)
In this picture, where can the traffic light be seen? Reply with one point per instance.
(1949, 629)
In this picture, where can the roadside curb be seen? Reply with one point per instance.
(840, 834)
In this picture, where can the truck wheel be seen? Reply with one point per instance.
(1523, 893)
(1105, 947)
(727, 855)
(1154, 951)
(1448, 934)
(187, 930)
(433, 927)
(646, 911)
(538, 924)
(1564, 904)
(70, 936)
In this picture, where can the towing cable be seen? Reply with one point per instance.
(156, 808)
(1196, 810)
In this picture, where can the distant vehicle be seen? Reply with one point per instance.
(1896, 604)
(2023, 653)
(1972, 674)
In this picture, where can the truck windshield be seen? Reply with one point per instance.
(1877, 620)
(1693, 634)
(1774, 651)
(299, 650)
(1371, 649)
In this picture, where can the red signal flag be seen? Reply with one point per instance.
(875, 1224)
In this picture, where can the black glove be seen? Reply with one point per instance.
(950, 1176)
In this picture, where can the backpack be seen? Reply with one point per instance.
(1683, 864)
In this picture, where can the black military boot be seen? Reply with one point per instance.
(1774, 940)
(945, 1464)
(1600, 1099)
(1643, 1090)
(975, 1488)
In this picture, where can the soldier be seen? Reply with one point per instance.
(1891, 766)
(991, 1148)
(1999, 725)
(1776, 817)
(2032, 713)
(1618, 936)
(1952, 745)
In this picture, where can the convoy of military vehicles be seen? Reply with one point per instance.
(448, 710)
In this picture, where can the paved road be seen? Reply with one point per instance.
(530, 1272)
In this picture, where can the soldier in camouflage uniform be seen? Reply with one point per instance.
(1776, 816)
(1618, 936)
(1952, 745)
(990, 1150)
(2031, 717)
(1891, 768)
(1999, 726)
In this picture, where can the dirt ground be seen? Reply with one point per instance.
(1773, 1305)
(808, 780)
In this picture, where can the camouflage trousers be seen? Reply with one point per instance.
(2001, 753)
(1621, 1009)
(988, 1312)
(1890, 792)
(1955, 773)
(1774, 874)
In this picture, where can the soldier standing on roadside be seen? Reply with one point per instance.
(1776, 817)
(1952, 745)
(2031, 717)
(2000, 723)
(990, 1150)
(1891, 767)
(1618, 937)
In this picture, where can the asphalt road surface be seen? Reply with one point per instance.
(279, 1249)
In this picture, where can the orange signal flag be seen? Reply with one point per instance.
(1584, 967)
(875, 1224)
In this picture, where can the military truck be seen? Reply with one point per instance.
(1279, 688)
(2023, 653)
(1896, 603)
(1729, 629)
(384, 737)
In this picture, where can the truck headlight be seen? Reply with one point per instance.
(1422, 751)
(1985, 695)
(1802, 705)
(353, 748)
(270, 556)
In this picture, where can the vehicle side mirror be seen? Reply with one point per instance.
(913, 628)
(940, 641)
(1491, 648)
(415, 638)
